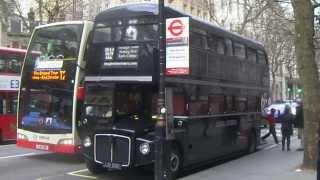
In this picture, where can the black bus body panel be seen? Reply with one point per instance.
(200, 136)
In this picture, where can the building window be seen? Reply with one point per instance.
(15, 44)
(199, 13)
(191, 9)
(205, 16)
(185, 7)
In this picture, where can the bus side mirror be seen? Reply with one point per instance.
(80, 93)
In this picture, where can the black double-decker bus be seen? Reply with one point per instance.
(215, 109)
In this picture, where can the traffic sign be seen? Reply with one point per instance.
(176, 27)
(177, 46)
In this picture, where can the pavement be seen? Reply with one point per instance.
(269, 163)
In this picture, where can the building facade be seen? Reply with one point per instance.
(13, 32)
(194, 7)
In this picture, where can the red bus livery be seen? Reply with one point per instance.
(10, 67)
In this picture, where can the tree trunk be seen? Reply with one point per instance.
(273, 87)
(308, 72)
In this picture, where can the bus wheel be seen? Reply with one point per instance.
(175, 162)
(93, 167)
(252, 146)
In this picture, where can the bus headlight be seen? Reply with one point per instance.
(144, 148)
(22, 136)
(87, 142)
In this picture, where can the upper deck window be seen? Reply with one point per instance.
(229, 47)
(216, 44)
(239, 50)
(10, 63)
(252, 55)
(130, 30)
(261, 57)
(196, 40)
(221, 46)
(107, 34)
(2, 65)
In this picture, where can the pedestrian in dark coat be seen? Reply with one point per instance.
(299, 125)
(286, 127)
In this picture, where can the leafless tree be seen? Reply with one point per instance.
(309, 76)
(53, 10)
(4, 13)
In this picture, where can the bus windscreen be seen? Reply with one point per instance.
(47, 85)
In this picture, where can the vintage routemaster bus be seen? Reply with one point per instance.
(10, 67)
(216, 106)
(50, 92)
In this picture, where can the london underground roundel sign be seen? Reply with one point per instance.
(176, 27)
(177, 46)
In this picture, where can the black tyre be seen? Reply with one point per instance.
(93, 167)
(252, 145)
(175, 162)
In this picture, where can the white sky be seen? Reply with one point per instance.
(25, 6)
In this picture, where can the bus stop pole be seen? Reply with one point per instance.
(161, 154)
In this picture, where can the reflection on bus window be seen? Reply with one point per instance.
(10, 64)
(125, 103)
(14, 65)
(131, 33)
(2, 65)
(8, 104)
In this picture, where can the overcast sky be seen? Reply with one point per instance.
(25, 6)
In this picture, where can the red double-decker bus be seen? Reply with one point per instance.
(10, 67)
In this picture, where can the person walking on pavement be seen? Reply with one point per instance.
(272, 126)
(298, 123)
(286, 127)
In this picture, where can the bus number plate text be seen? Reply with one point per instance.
(42, 147)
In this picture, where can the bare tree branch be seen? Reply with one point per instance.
(20, 14)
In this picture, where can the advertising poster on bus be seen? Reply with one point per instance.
(177, 46)
(9, 82)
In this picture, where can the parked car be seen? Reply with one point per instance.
(279, 107)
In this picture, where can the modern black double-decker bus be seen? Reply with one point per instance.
(215, 108)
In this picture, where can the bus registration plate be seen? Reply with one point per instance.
(42, 147)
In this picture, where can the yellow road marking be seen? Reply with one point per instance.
(75, 173)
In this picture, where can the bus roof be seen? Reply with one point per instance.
(62, 23)
(8, 50)
(145, 9)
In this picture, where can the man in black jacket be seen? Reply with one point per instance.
(299, 124)
(286, 127)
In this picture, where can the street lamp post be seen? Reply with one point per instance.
(161, 170)
(74, 9)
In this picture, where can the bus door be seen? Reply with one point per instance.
(8, 106)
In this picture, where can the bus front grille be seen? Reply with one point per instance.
(112, 150)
